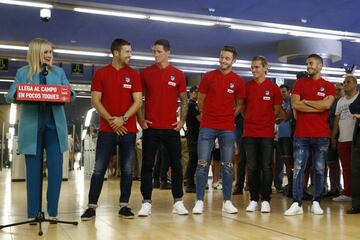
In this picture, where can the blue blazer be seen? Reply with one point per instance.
(29, 113)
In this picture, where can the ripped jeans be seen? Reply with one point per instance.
(303, 147)
(206, 141)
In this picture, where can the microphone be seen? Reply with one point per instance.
(44, 70)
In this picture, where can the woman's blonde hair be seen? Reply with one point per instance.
(34, 55)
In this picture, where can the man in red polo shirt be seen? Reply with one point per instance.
(262, 105)
(221, 94)
(311, 99)
(116, 94)
(163, 85)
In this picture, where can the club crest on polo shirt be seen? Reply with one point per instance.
(172, 81)
(231, 87)
(321, 92)
(267, 95)
(127, 81)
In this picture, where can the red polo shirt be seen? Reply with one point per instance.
(221, 91)
(116, 87)
(312, 124)
(162, 87)
(259, 119)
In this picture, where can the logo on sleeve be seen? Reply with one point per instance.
(321, 93)
(172, 81)
(127, 83)
(231, 87)
(267, 95)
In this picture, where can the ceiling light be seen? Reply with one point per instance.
(192, 71)
(27, 4)
(82, 96)
(88, 117)
(144, 58)
(85, 53)
(314, 35)
(13, 47)
(259, 29)
(111, 13)
(182, 20)
(196, 62)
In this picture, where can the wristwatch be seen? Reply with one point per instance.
(125, 118)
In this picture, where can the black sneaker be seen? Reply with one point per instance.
(88, 214)
(237, 191)
(125, 212)
(165, 185)
(156, 184)
(190, 189)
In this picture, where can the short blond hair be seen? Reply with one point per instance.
(34, 55)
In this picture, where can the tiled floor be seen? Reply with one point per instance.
(162, 224)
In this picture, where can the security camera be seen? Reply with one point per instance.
(45, 14)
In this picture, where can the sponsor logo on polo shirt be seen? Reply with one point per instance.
(230, 91)
(172, 84)
(267, 95)
(127, 79)
(172, 78)
(232, 85)
(322, 89)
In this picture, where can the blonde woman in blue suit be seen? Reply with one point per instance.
(53, 120)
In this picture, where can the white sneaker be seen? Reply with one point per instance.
(179, 208)
(218, 186)
(316, 209)
(265, 207)
(228, 207)
(252, 207)
(342, 198)
(294, 209)
(199, 207)
(145, 210)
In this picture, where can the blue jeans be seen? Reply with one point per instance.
(303, 147)
(151, 140)
(105, 147)
(259, 154)
(206, 141)
(279, 167)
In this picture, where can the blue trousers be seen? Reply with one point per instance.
(206, 142)
(303, 147)
(54, 160)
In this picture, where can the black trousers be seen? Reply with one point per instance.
(241, 166)
(259, 154)
(355, 171)
(152, 138)
(192, 163)
(162, 165)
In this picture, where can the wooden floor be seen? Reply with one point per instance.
(162, 224)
